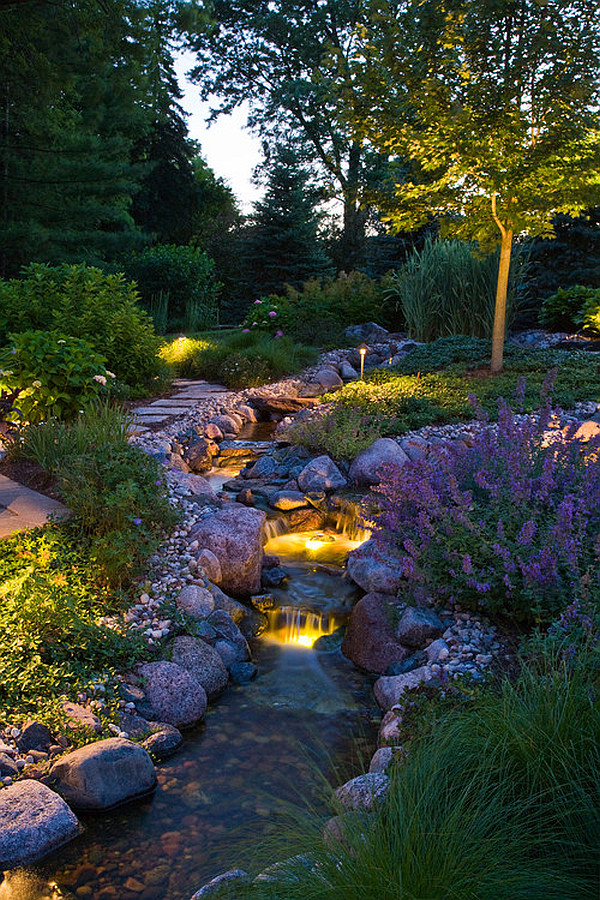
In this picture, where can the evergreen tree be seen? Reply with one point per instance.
(571, 257)
(282, 243)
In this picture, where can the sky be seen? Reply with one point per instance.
(227, 146)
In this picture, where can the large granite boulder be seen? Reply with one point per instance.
(236, 537)
(228, 424)
(366, 468)
(373, 569)
(370, 640)
(171, 694)
(369, 332)
(329, 379)
(34, 821)
(418, 627)
(199, 455)
(389, 688)
(202, 662)
(104, 774)
(321, 474)
(195, 601)
(364, 792)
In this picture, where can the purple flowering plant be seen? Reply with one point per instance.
(510, 525)
(262, 316)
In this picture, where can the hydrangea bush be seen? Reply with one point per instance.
(264, 315)
(510, 525)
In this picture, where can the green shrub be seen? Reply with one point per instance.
(343, 432)
(83, 302)
(184, 277)
(264, 315)
(319, 312)
(51, 642)
(571, 309)
(119, 501)
(55, 375)
(447, 288)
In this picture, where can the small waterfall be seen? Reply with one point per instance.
(276, 527)
(350, 523)
(294, 625)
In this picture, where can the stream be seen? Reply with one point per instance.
(308, 716)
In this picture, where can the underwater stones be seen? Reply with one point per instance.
(372, 570)
(171, 694)
(104, 774)
(365, 469)
(195, 601)
(364, 792)
(418, 627)
(34, 821)
(389, 688)
(321, 474)
(236, 538)
(370, 640)
(202, 662)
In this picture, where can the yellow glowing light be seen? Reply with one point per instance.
(305, 640)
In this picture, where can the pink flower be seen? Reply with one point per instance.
(279, 333)
(272, 314)
(258, 302)
(245, 330)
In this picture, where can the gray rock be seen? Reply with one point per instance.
(366, 468)
(347, 371)
(321, 474)
(79, 717)
(372, 570)
(389, 688)
(370, 640)
(383, 758)
(104, 774)
(8, 767)
(417, 627)
(415, 447)
(242, 672)
(227, 424)
(231, 653)
(329, 379)
(390, 729)
(34, 821)
(170, 694)
(163, 743)
(285, 500)
(222, 884)
(364, 792)
(236, 537)
(312, 389)
(437, 651)
(34, 736)
(197, 602)
(369, 333)
(202, 662)
(210, 564)
(247, 413)
(262, 468)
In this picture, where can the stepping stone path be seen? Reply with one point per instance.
(22, 509)
(187, 395)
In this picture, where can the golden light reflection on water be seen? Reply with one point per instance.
(301, 627)
(313, 546)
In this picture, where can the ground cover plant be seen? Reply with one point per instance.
(52, 643)
(237, 359)
(510, 525)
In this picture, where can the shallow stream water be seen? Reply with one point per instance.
(262, 745)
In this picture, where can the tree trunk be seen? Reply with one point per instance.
(500, 309)
(352, 243)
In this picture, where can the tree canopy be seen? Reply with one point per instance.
(495, 103)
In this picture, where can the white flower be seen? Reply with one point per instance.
(110, 374)
(36, 383)
(61, 341)
(100, 379)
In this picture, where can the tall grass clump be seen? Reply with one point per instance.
(447, 288)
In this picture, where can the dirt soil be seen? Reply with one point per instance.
(32, 475)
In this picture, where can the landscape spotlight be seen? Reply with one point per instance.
(363, 352)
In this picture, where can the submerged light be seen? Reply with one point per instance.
(318, 540)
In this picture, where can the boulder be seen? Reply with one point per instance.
(34, 736)
(202, 662)
(389, 689)
(197, 602)
(79, 717)
(236, 537)
(242, 672)
(381, 760)
(368, 332)
(34, 821)
(390, 730)
(163, 743)
(270, 406)
(231, 644)
(211, 565)
(199, 455)
(365, 469)
(418, 627)
(223, 885)
(416, 448)
(170, 694)
(213, 432)
(321, 474)
(370, 640)
(8, 767)
(347, 371)
(306, 520)
(286, 500)
(227, 424)
(364, 792)
(262, 468)
(374, 570)
(329, 379)
(437, 651)
(104, 774)
(247, 413)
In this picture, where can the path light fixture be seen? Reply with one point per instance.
(363, 352)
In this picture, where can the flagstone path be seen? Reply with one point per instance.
(186, 396)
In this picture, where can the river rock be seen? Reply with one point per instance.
(236, 537)
(370, 640)
(364, 792)
(222, 885)
(243, 672)
(262, 468)
(321, 474)
(418, 627)
(273, 407)
(247, 412)
(213, 432)
(202, 662)
(211, 565)
(171, 694)
(437, 651)
(389, 688)
(348, 372)
(382, 759)
(34, 821)
(415, 447)
(8, 766)
(286, 500)
(34, 736)
(228, 424)
(373, 570)
(329, 379)
(195, 601)
(199, 455)
(366, 468)
(163, 743)
(79, 717)
(104, 774)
